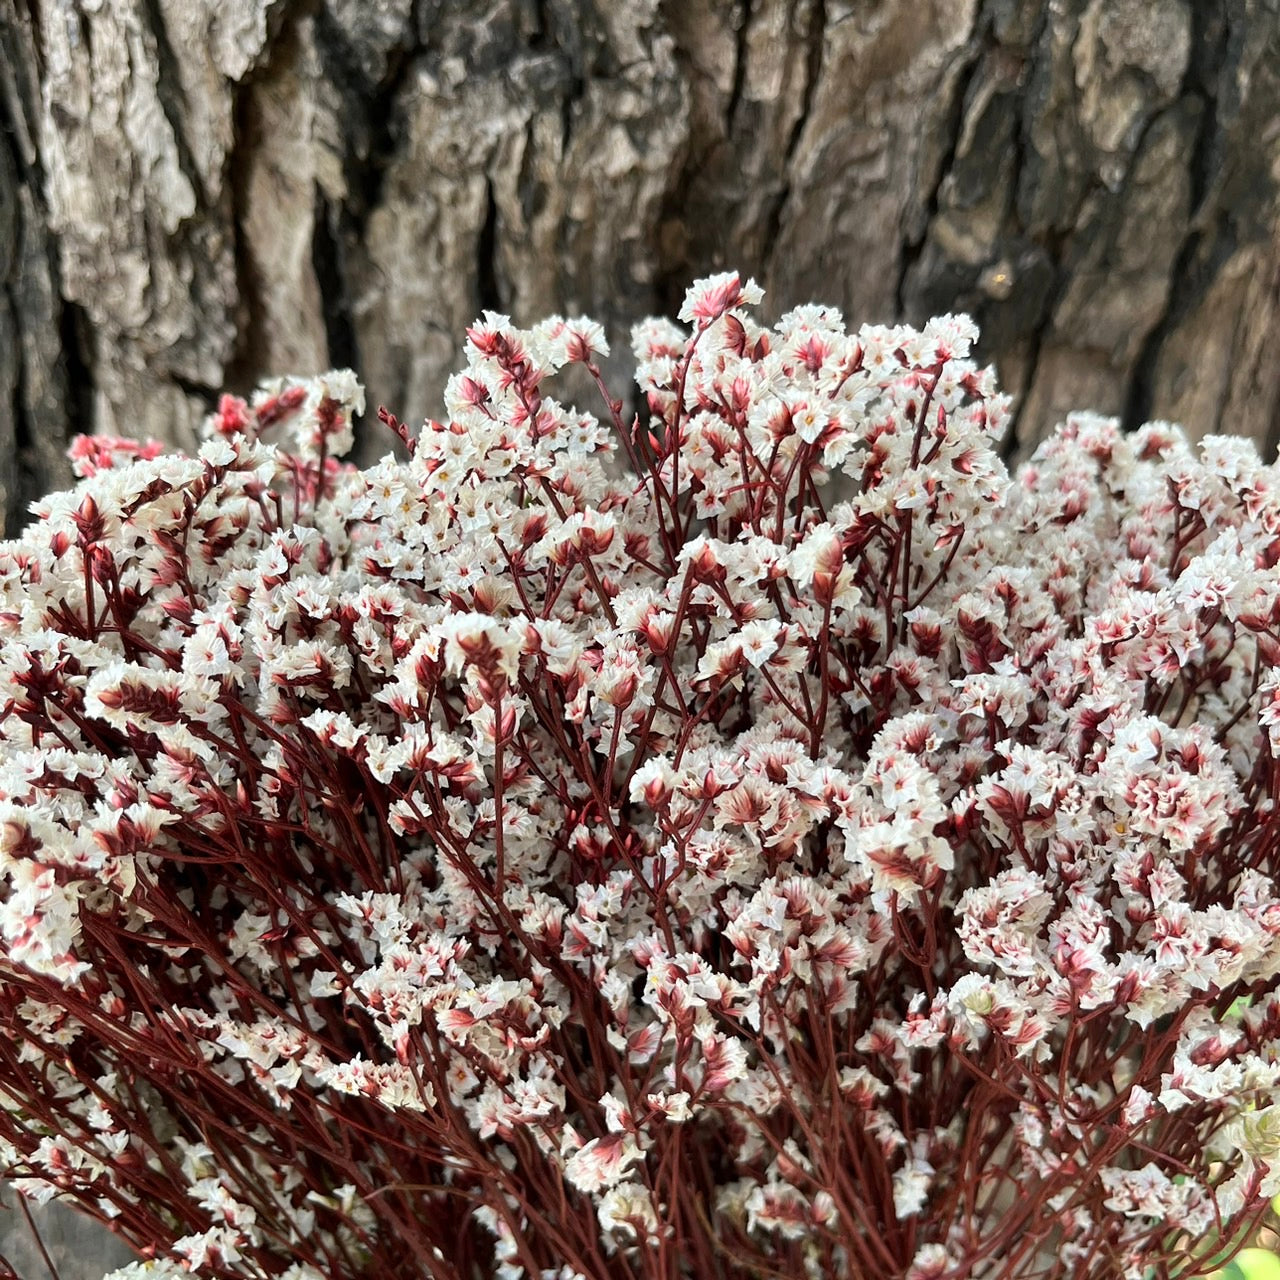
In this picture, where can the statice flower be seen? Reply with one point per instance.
(755, 835)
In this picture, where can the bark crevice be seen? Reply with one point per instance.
(1210, 42)
(329, 263)
(250, 315)
(173, 98)
(488, 288)
(741, 46)
(814, 38)
(979, 43)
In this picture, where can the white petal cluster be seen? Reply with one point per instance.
(762, 828)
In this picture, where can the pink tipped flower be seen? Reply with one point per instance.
(760, 838)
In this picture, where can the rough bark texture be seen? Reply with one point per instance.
(199, 193)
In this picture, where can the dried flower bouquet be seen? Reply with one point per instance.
(756, 839)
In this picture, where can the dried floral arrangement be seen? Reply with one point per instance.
(757, 839)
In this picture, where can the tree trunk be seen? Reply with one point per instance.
(200, 193)
(196, 194)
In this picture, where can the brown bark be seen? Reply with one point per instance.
(199, 193)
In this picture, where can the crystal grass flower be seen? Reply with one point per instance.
(756, 837)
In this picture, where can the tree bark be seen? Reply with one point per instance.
(197, 194)
(201, 193)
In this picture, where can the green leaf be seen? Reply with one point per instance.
(1252, 1264)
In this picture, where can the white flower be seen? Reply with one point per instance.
(911, 1186)
(628, 1211)
(709, 299)
(774, 755)
(602, 1162)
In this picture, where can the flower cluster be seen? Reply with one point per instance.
(758, 838)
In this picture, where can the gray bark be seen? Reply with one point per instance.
(195, 194)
